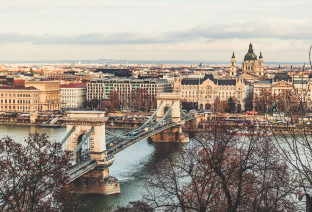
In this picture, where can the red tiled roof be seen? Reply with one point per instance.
(74, 85)
(17, 87)
(16, 81)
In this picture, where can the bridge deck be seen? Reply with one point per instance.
(121, 143)
(81, 169)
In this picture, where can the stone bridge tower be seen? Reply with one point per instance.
(173, 134)
(98, 180)
(167, 99)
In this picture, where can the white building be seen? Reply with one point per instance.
(73, 95)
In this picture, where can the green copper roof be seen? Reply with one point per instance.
(250, 54)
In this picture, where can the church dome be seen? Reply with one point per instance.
(250, 54)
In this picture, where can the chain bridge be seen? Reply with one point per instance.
(92, 147)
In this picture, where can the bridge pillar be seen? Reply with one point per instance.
(98, 180)
(173, 134)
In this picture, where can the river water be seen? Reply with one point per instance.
(130, 167)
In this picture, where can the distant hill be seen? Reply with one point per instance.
(111, 61)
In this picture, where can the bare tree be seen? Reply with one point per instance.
(220, 106)
(264, 101)
(287, 101)
(293, 136)
(112, 102)
(32, 175)
(223, 172)
(138, 99)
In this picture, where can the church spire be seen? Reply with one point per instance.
(250, 48)
(233, 56)
(260, 55)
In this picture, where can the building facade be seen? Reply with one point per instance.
(73, 95)
(19, 99)
(282, 83)
(101, 88)
(205, 90)
(49, 94)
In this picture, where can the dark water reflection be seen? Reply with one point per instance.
(131, 166)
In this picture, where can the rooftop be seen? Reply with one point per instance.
(300, 82)
(74, 85)
(197, 81)
(267, 81)
(282, 76)
(5, 87)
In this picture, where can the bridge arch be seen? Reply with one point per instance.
(83, 153)
(166, 109)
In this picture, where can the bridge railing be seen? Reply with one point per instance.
(122, 145)
(165, 123)
(149, 120)
(139, 128)
(81, 170)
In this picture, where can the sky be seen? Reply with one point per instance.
(205, 30)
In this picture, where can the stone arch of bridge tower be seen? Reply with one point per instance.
(166, 109)
(84, 153)
(167, 99)
(84, 121)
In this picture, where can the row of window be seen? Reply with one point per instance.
(17, 95)
(19, 101)
(121, 85)
(19, 107)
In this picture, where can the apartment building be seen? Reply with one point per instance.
(101, 88)
(73, 95)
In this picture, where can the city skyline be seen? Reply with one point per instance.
(154, 30)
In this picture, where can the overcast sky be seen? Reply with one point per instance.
(207, 30)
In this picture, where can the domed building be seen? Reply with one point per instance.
(252, 67)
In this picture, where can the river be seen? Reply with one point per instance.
(130, 167)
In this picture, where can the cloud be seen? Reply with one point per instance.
(13, 4)
(264, 28)
(215, 50)
(85, 39)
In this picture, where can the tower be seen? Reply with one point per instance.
(233, 66)
(260, 69)
(86, 143)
